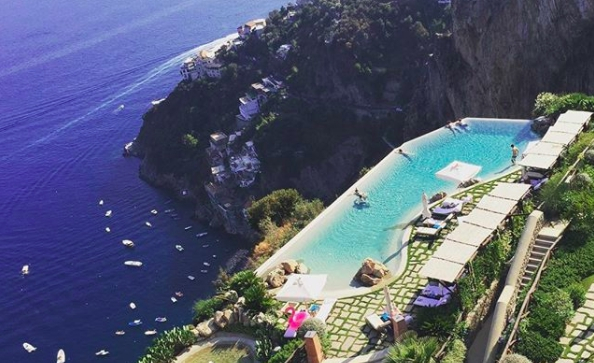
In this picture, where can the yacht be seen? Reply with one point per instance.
(201, 234)
(148, 224)
(120, 332)
(101, 202)
(156, 102)
(108, 213)
(190, 277)
(154, 212)
(29, 348)
(205, 246)
(161, 319)
(128, 243)
(102, 352)
(136, 322)
(132, 306)
(173, 300)
(188, 228)
(206, 264)
(133, 263)
(151, 332)
(204, 271)
(61, 356)
(179, 248)
(25, 270)
(107, 229)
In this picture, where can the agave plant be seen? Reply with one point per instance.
(413, 349)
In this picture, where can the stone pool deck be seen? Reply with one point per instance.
(579, 334)
(349, 333)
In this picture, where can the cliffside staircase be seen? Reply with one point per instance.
(546, 240)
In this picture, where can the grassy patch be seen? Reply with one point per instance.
(588, 281)
(222, 353)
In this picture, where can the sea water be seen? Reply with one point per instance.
(75, 79)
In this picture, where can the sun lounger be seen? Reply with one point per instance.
(325, 309)
(436, 219)
(449, 206)
(429, 231)
(437, 291)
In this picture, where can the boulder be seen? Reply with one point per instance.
(371, 272)
(206, 328)
(301, 268)
(229, 316)
(231, 296)
(368, 280)
(276, 278)
(220, 319)
(437, 197)
(541, 124)
(367, 267)
(289, 266)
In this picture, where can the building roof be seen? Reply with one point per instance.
(217, 136)
(558, 137)
(544, 162)
(255, 22)
(497, 205)
(513, 191)
(442, 270)
(455, 252)
(484, 218)
(217, 169)
(470, 234)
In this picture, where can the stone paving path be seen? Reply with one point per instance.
(349, 333)
(579, 334)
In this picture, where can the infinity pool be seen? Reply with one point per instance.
(338, 240)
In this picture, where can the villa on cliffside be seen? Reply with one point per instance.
(258, 94)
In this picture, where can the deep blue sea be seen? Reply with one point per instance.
(65, 69)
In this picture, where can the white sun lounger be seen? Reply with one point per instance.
(325, 309)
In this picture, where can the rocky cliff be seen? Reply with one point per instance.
(501, 54)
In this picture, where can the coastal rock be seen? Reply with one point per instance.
(437, 197)
(276, 278)
(195, 332)
(371, 272)
(231, 296)
(541, 124)
(301, 269)
(240, 301)
(289, 266)
(229, 315)
(220, 320)
(206, 328)
(368, 280)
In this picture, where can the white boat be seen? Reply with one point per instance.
(206, 264)
(169, 210)
(108, 213)
(156, 102)
(29, 348)
(161, 319)
(136, 322)
(102, 352)
(148, 224)
(204, 271)
(151, 332)
(179, 248)
(179, 294)
(120, 332)
(214, 256)
(101, 202)
(128, 243)
(25, 270)
(188, 228)
(201, 234)
(107, 229)
(173, 300)
(191, 278)
(205, 246)
(133, 263)
(132, 306)
(154, 212)
(61, 356)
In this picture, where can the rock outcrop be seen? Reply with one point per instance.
(371, 272)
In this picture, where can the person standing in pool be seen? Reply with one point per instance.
(515, 153)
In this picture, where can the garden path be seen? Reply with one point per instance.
(578, 339)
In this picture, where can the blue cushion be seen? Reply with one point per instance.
(385, 317)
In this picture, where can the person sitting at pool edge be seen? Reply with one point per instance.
(515, 153)
(360, 195)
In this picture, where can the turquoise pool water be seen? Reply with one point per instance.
(338, 240)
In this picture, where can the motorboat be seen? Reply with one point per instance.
(173, 300)
(136, 322)
(132, 306)
(205, 246)
(201, 234)
(214, 256)
(169, 210)
(101, 202)
(25, 270)
(154, 212)
(151, 332)
(133, 263)
(29, 348)
(102, 352)
(174, 215)
(148, 224)
(120, 332)
(156, 102)
(107, 229)
(108, 213)
(191, 278)
(188, 228)
(179, 294)
(161, 319)
(61, 358)
(204, 271)
(206, 264)
(179, 248)
(128, 243)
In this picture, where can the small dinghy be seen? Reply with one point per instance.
(169, 210)
(108, 213)
(188, 228)
(214, 256)
(61, 356)
(128, 243)
(107, 229)
(201, 234)
(101, 202)
(132, 306)
(120, 332)
(173, 300)
(148, 224)
(191, 278)
(102, 352)
(154, 212)
(25, 270)
(133, 263)
(161, 319)
(179, 248)
(205, 246)
(206, 264)
(136, 322)
(179, 294)
(151, 332)
(204, 271)
(29, 348)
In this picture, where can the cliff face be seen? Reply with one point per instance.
(503, 53)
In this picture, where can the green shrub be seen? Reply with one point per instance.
(286, 351)
(589, 157)
(548, 104)
(577, 293)
(312, 324)
(439, 322)
(538, 348)
(278, 206)
(456, 352)
(242, 281)
(515, 358)
(205, 309)
(413, 349)
(258, 300)
(168, 345)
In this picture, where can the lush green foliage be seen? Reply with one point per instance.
(286, 351)
(277, 206)
(168, 345)
(515, 358)
(577, 293)
(413, 349)
(189, 140)
(312, 324)
(242, 281)
(205, 309)
(257, 299)
(456, 352)
(539, 349)
(549, 104)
